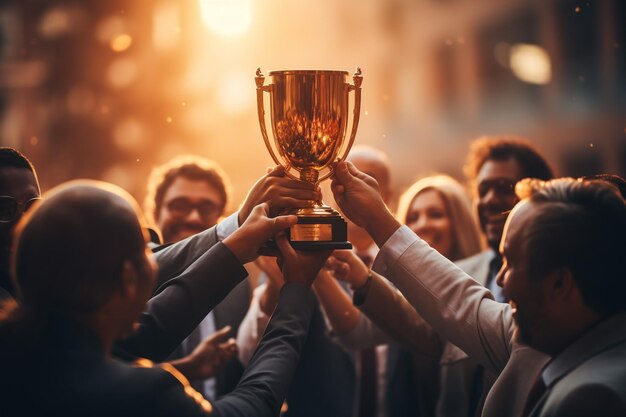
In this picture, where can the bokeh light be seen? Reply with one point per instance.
(226, 17)
(530, 63)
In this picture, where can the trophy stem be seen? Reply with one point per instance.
(309, 175)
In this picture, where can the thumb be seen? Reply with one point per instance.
(283, 222)
(277, 171)
(344, 173)
(220, 335)
(354, 171)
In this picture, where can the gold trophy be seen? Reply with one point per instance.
(309, 112)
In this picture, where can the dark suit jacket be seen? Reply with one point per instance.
(324, 382)
(200, 273)
(229, 312)
(58, 367)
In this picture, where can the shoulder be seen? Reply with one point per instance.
(588, 399)
(596, 387)
(171, 389)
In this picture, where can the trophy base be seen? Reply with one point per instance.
(318, 228)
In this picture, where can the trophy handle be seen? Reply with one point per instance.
(358, 79)
(260, 88)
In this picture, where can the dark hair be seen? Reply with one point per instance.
(502, 148)
(70, 250)
(188, 166)
(581, 226)
(10, 157)
(616, 180)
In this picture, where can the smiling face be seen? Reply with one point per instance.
(189, 207)
(429, 218)
(528, 295)
(495, 196)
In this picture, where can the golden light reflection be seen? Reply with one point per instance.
(166, 26)
(233, 94)
(108, 28)
(128, 134)
(226, 17)
(530, 63)
(122, 73)
(121, 42)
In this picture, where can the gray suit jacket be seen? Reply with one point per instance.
(589, 377)
(463, 311)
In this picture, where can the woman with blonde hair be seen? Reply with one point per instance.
(464, 234)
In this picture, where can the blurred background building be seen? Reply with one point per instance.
(107, 88)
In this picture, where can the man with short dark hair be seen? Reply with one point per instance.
(188, 195)
(84, 276)
(494, 165)
(567, 303)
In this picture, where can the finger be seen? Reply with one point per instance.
(337, 189)
(277, 171)
(287, 202)
(283, 222)
(342, 255)
(343, 174)
(299, 193)
(268, 251)
(354, 171)
(228, 345)
(261, 209)
(284, 246)
(280, 261)
(287, 182)
(220, 334)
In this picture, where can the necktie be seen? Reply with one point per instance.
(535, 394)
(494, 267)
(367, 361)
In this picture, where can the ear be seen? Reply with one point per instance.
(560, 287)
(129, 280)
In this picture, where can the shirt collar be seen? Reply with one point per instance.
(604, 335)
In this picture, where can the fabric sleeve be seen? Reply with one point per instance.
(265, 383)
(460, 309)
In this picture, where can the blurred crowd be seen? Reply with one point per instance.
(503, 296)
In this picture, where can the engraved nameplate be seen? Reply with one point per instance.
(311, 232)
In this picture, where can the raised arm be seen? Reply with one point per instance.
(384, 307)
(182, 302)
(265, 383)
(457, 307)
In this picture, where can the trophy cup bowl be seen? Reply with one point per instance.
(309, 115)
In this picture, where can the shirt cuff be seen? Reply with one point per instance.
(393, 248)
(227, 226)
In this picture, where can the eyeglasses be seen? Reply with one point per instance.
(181, 207)
(11, 209)
(500, 187)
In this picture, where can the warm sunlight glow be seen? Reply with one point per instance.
(166, 26)
(234, 93)
(121, 42)
(226, 17)
(530, 63)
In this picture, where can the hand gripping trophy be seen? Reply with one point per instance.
(309, 111)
